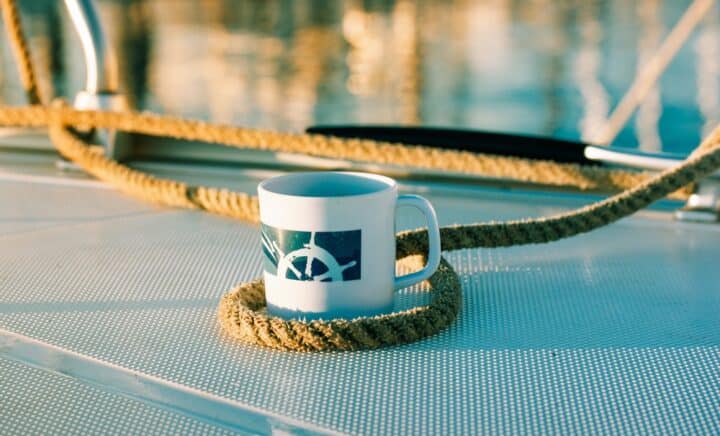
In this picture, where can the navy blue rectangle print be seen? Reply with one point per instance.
(312, 256)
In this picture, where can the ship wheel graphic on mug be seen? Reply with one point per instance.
(312, 256)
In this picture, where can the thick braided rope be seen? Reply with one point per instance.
(13, 26)
(243, 206)
(548, 173)
(166, 192)
(240, 311)
(240, 314)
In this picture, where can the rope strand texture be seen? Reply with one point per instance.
(240, 311)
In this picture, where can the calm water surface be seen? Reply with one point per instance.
(543, 67)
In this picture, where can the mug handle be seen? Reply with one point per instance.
(433, 256)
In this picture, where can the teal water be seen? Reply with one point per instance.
(544, 67)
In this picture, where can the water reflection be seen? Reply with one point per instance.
(587, 67)
(542, 66)
(648, 114)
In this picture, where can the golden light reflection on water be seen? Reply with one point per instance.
(541, 66)
(648, 114)
(587, 66)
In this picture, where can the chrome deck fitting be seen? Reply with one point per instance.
(101, 83)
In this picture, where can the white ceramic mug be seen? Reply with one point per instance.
(328, 242)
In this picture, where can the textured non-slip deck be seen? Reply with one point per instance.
(614, 331)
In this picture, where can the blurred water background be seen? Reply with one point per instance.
(544, 67)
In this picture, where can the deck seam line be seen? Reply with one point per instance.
(147, 388)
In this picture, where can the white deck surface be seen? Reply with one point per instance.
(107, 322)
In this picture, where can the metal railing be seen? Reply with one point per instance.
(101, 67)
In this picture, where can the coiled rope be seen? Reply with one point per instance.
(240, 311)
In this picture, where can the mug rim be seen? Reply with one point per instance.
(390, 184)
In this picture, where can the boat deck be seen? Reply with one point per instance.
(107, 322)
